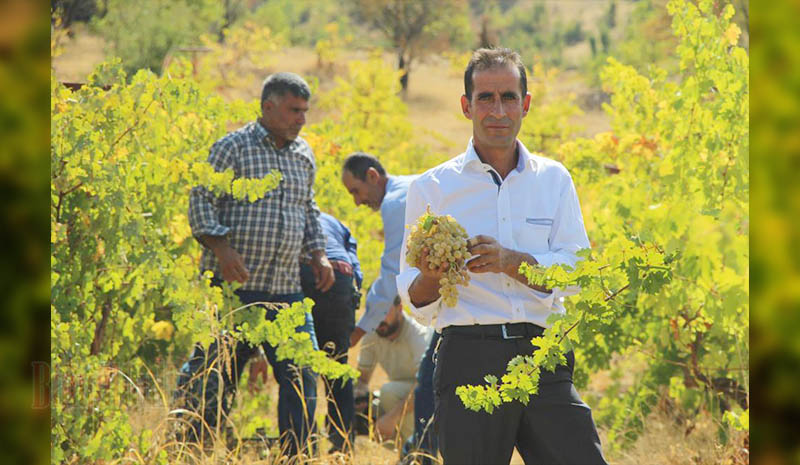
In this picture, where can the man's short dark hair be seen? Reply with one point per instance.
(358, 163)
(488, 58)
(278, 84)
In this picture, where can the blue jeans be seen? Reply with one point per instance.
(199, 379)
(424, 439)
(334, 320)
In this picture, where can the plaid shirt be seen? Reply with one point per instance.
(272, 233)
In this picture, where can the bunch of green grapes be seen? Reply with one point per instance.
(446, 241)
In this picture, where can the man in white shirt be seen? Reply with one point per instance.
(517, 207)
(397, 344)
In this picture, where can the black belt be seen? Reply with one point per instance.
(503, 331)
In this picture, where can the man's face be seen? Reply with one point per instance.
(391, 323)
(496, 107)
(284, 117)
(368, 192)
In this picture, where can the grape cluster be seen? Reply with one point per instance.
(446, 241)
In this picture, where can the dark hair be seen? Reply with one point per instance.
(396, 300)
(358, 163)
(278, 84)
(487, 58)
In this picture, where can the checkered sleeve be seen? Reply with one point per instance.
(203, 212)
(313, 237)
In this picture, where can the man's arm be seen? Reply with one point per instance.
(204, 216)
(386, 425)
(424, 290)
(362, 385)
(568, 233)
(418, 287)
(322, 270)
(383, 291)
(367, 361)
(230, 261)
(356, 336)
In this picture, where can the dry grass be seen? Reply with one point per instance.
(80, 54)
(667, 441)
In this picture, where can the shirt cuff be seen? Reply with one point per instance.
(312, 245)
(211, 230)
(424, 315)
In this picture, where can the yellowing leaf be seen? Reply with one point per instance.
(731, 35)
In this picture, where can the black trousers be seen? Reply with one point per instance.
(334, 320)
(556, 427)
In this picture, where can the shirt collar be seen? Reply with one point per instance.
(391, 182)
(471, 158)
(262, 134)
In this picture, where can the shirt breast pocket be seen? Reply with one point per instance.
(533, 234)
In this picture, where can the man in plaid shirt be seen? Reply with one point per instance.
(259, 244)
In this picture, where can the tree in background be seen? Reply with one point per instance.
(611, 15)
(142, 33)
(303, 22)
(71, 11)
(645, 38)
(415, 27)
(529, 28)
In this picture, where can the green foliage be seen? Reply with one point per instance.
(123, 161)
(237, 62)
(611, 15)
(668, 274)
(548, 124)
(142, 33)
(529, 28)
(301, 22)
(330, 47)
(646, 40)
(71, 11)
(573, 32)
(739, 421)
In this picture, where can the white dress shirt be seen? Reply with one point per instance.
(535, 209)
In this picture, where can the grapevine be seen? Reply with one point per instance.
(446, 241)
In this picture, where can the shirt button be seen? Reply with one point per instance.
(508, 284)
(504, 219)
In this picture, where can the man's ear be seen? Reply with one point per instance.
(465, 107)
(373, 175)
(526, 103)
(267, 105)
